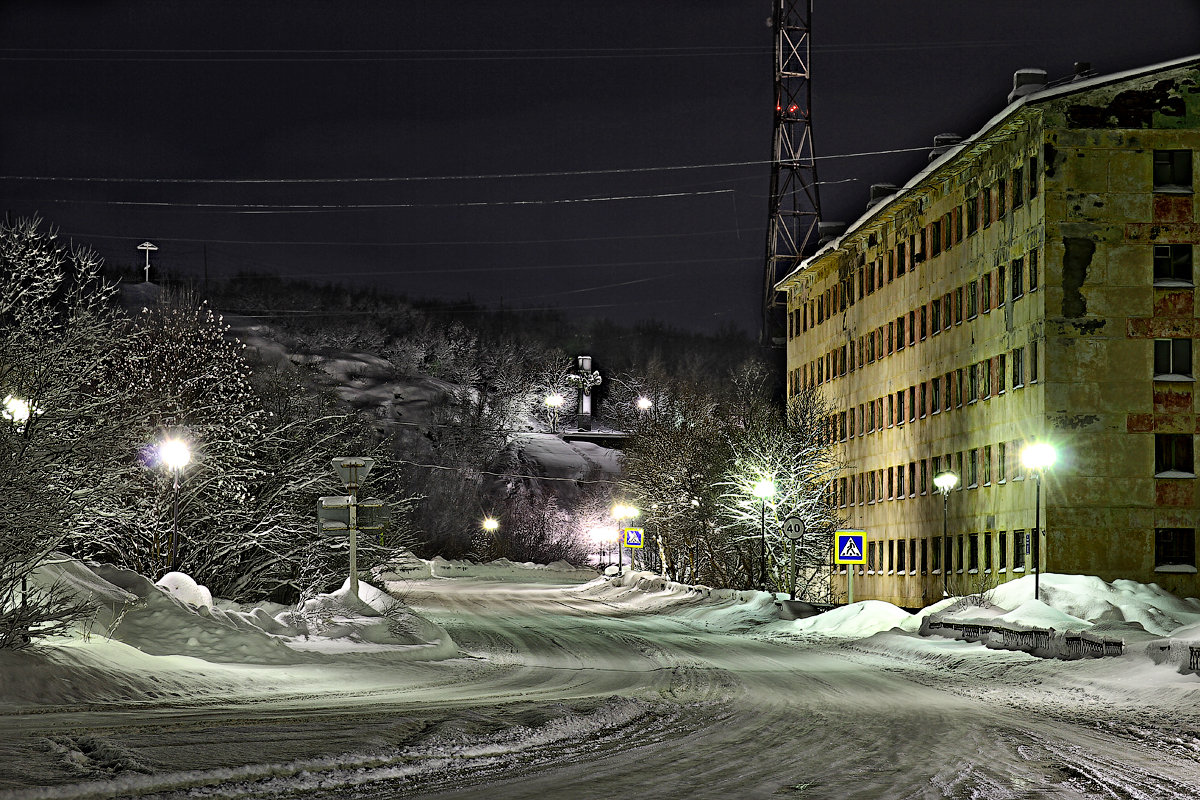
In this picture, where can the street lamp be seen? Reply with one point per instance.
(644, 404)
(1038, 457)
(763, 490)
(18, 410)
(622, 512)
(945, 483)
(174, 453)
(554, 403)
(490, 525)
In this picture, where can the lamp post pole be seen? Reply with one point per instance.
(176, 455)
(1038, 457)
(945, 482)
(763, 490)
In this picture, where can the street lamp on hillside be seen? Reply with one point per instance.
(945, 483)
(554, 403)
(621, 512)
(1038, 457)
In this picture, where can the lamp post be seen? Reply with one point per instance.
(175, 454)
(945, 483)
(1038, 457)
(622, 512)
(763, 490)
(18, 411)
(554, 403)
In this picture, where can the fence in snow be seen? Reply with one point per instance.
(1047, 643)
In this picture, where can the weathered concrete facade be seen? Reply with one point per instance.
(1036, 283)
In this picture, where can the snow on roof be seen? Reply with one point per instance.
(952, 151)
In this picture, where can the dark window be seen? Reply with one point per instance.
(1002, 550)
(1033, 270)
(972, 215)
(985, 292)
(935, 238)
(935, 316)
(999, 286)
(1174, 547)
(972, 300)
(936, 389)
(986, 196)
(1173, 357)
(1001, 196)
(1172, 170)
(1173, 263)
(1018, 278)
(987, 552)
(1173, 453)
(958, 306)
(1033, 362)
(912, 327)
(1033, 177)
(1018, 191)
(921, 322)
(1019, 545)
(1000, 376)
(945, 312)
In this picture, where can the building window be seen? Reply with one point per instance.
(921, 322)
(912, 404)
(958, 306)
(1173, 456)
(987, 465)
(1033, 362)
(987, 552)
(1001, 196)
(912, 327)
(972, 215)
(935, 317)
(973, 382)
(924, 472)
(958, 375)
(985, 292)
(1017, 189)
(870, 557)
(986, 196)
(999, 286)
(1033, 177)
(935, 238)
(1033, 270)
(1172, 170)
(924, 404)
(1172, 265)
(1000, 367)
(946, 312)
(958, 224)
(962, 550)
(972, 300)
(972, 469)
(1175, 547)
(900, 482)
(1020, 544)
(1018, 275)
(1001, 464)
(1172, 359)
(985, 378)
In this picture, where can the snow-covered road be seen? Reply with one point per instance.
(597, 691)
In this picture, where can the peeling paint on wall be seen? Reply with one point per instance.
(1077, 257)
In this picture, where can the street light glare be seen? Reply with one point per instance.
(945, 481)
(18, 410)
(644, 404)
(490, 524)
(621, 511)
(175, 453)
(1038, 456)
(554, 400)
(764, 489)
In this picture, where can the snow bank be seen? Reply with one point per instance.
(856, 620)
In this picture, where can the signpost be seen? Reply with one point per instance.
(633, 537)
(793, 529)
(347, 513)
(849, 548)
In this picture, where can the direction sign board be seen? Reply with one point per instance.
(333, 513)
(849, 547)
(793, 528)
(634, 537)
(353, 470)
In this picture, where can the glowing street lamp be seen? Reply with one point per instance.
(175, 454)
(18, 410)
(554, 403)
(945, 483)
(763, 490)
(1038, 457)
(621, 512)
(490, 525)
(644, 404)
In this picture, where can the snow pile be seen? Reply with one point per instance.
(855, 620)
(504, 570)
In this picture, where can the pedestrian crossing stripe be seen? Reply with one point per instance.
(633, 537)
(849, 547)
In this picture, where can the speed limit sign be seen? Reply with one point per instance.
(793, 528)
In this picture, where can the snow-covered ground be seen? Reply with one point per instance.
(441, 679)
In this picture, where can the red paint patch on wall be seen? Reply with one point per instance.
(1139, 423)
(1172, 208)
(1172, 401)
(1169, 492)
(1174, 304)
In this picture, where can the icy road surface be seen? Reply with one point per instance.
(598, 692)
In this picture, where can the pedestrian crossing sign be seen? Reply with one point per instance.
(849, 548)
(634, 537)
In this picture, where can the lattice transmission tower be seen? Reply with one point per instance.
(795, 206)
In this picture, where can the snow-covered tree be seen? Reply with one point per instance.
(64, 413)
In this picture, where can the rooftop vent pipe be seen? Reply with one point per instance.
(1083, 70)
(879, 191)
(1027, 81)
(943, 142)
(828, 231)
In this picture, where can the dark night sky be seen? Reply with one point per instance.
(438, 122)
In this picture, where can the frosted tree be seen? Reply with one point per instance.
(63, 404)
(789, 450)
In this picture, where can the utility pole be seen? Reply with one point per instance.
(795, 206)
(147, 246)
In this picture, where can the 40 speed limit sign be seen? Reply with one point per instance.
(793, 528)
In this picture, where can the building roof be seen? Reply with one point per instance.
(1049, 93)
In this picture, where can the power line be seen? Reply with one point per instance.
(315, 208)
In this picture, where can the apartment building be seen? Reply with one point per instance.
(1035, 283)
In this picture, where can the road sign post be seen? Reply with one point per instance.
(849, 550)
(346, 513)
(631, 538)
(793, 529)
